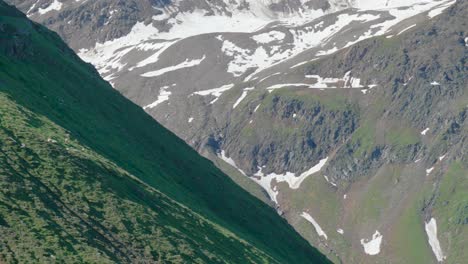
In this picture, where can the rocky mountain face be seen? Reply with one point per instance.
(86, 176)
(347, 116)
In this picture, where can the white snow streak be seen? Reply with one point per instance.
(326, 178)
(293, 181)
(162, 97)
(317, 227)
(229, 161)
(428, 171)
(326, 83)
(410, 27)
(424, 132)
(216, 92)
(431, 230)
(186, 64)
(437, 11)
(243, 95)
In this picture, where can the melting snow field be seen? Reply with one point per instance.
(111, 57)
(317, 227)
(372, 247)
(340, 231)
(431, 230)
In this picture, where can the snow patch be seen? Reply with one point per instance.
(243, 95)
(294, 182)
(256, 108)
(428, 171)
(55, 5)
(268, 37)
(408, 28)
(340, 231)
(186, 64)
(326, 178)
(434, 83)
(317, 227)
(431, 230)
(216, 92)
(162, 97)
(437, 11)
(229, 161)
(372, 246)
(190, 119)
(424, 132)
(327, 83)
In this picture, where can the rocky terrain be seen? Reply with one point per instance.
(349, 115)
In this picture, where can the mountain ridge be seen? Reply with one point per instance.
(359, 136)
(65, 111)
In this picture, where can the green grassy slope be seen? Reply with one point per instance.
(62, 201)
(85, 206)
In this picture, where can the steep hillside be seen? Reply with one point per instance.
(87, 176)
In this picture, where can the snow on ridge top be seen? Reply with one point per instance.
(372, 246)
(109, 55)
(317, 227)
(431, 230)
